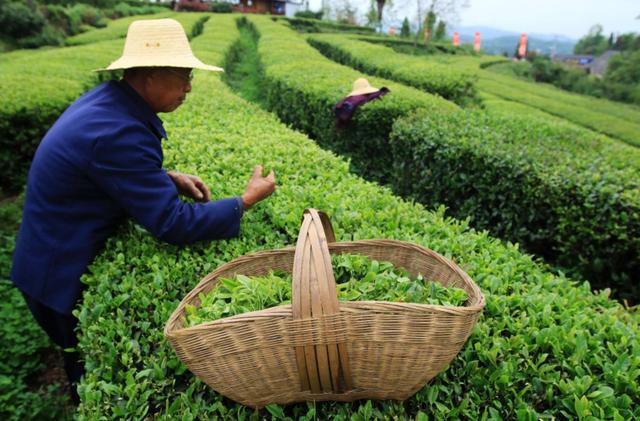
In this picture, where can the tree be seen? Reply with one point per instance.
(380, 4)
(372, 15)
(445, 10)
(441, 31)
(346, 13)
(405, 31)
(593, 43)
(430, 21)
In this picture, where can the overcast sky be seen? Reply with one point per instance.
(567, 17)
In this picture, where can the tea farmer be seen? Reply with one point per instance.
(361, 93)
(100, 163)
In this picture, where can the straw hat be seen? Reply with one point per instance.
(361, 86)
(157, 43)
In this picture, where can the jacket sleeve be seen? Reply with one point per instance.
(128, 167)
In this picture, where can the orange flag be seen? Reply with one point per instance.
(522, 49)
(476, 42)
(456, 39)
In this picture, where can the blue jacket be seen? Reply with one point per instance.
(100, 163)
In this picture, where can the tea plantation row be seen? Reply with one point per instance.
(545, 347)
(455, 80)
(564, 192)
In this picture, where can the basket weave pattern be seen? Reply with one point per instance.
(319, 348)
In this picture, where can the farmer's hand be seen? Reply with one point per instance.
(191, 186)
(259, 187)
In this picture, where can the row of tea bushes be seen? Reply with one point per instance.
(599, 241)
(454, 77)
(600, 115)
(115, 29)
(316, 25)
(417, 46)
(301, 87)
(621, 110)
(24, 344)
(38, 86)
(563, 192)
(544, 348)
(382, 61)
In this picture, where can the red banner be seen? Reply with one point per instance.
(522, 49)
(476, 42)
(456, 39)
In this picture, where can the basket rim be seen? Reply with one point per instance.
(475, 302)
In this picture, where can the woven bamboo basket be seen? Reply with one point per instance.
(319, 348)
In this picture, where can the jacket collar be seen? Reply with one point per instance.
(141, 109)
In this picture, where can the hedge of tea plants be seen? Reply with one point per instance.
(316, 25)
(617, 120)
(563, 192)
(116, 28)
(602, 116)
(545, 346)
(38, 86)
(559, 230)
(25, 347)
(301, 87)
(382, 61)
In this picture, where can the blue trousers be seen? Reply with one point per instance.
(61, 329)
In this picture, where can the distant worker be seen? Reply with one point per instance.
(102, 162)
(361, 93)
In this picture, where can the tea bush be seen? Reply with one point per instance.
(563, 192)
(452, 84)
(545, 346)
(24, 344)
(616, 120)
(305, 99)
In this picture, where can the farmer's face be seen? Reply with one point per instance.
(167, 88)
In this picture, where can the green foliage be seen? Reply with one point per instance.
(18, 20)
(221, 7)
(627, 42)
(118, 28)
(315, 25)
(381, 61)
(243, 69)
(544, 348)
(306, 102)
(420, 49)
(198, 27)
(441, 31)
(358, 278)
(430, 21)
(565, 194)
(309, 14)
(405, 31)
(593, 43)
(617, 120)
(24, 344)
(622, 77)
(620, 83)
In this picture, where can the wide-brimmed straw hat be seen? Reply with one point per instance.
(361, 87)
(157, 43)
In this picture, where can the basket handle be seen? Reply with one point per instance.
(322, 368)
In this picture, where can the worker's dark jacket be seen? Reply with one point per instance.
(100, 163)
